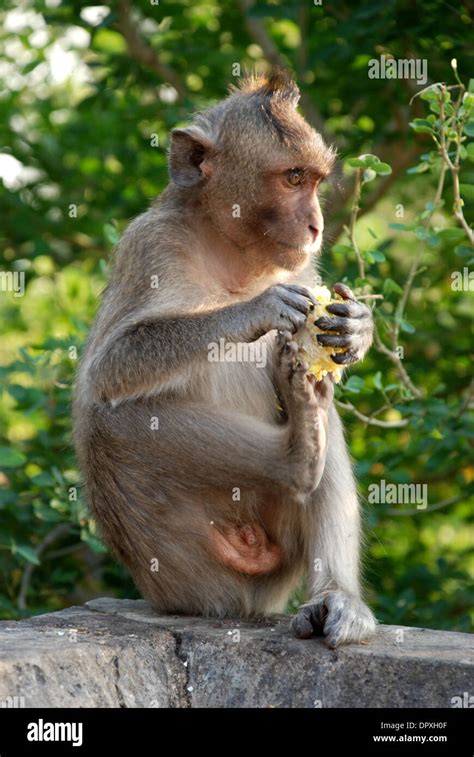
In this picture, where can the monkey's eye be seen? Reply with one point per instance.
(295, 177)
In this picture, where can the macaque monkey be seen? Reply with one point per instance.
(220, 483)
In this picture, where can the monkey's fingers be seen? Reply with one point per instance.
(304, 291)
(334, 340)
(309, 621)
(345, 358)
(324, 390)
(349, 309)
(301, 624)
(344, 291)
(288, 357)
(293, 297)
(339, 325)
(282, 339)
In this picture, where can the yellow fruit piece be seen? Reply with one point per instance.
(319, 357)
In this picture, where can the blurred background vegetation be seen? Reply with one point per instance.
(88, 95)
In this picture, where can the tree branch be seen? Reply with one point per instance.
(396, 360)
(399, 159)
(371, 421)
(56, 533)
(454, 168)
(257, 31)
(437, 506)
(143, 53)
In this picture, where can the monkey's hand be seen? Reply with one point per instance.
(353, 325)
(306, 402)
(283, 307)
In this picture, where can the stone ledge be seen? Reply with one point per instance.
(119, 653)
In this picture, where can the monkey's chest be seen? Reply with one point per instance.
(238, 377)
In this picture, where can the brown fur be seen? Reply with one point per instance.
(169, 493)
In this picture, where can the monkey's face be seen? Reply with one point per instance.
(256, 166)
(289, 216)
(268, 203)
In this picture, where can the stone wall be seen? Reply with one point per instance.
(118, 653)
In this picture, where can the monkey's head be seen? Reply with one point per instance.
(255, 166)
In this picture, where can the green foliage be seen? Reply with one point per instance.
(88, 114)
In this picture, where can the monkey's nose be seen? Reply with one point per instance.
(314, 231)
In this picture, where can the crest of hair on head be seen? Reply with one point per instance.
(279, 84)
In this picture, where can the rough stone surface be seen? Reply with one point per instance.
(119, 653)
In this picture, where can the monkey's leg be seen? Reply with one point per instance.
(335, 607)
(309, 399)
(166, 489)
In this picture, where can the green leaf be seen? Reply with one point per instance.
(344, 248)
(369, 175)
(24, 550)
(467, 191)
(470, 151)
(355, 163)
(469, 129)
(390, 286)
(383, 169)
(11, 458)
(378, 256)
(420, 168)
(452, 235)
(45, 513)
(90, 166)
(421, 126)
(431, 93)
(109, 41)
(463, 251)
(378, 381)
(422, 232)
(407, 327)
(354, 384)
(433, 239)
(93, 542)
(430, 157)
(111, 234)
(104, 267)
(43, 479)
(366, 161)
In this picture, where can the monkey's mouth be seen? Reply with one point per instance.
(301, 247)
(292, 245)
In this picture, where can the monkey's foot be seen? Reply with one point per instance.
(296, 384)
(341, 618)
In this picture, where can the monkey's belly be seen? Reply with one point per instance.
(246, 549)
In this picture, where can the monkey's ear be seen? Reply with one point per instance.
(188, 152)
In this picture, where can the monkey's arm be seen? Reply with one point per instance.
(139, 357)
(230, 448)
